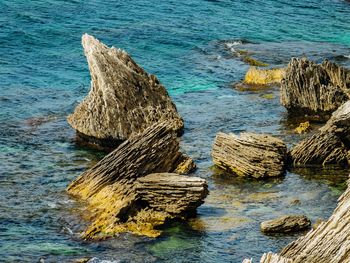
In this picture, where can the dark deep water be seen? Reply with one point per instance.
(191, 45)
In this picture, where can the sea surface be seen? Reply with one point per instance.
(195, 47)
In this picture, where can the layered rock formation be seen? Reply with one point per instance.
(286, 224)
(130, 189)
(123, 100)
(270, 258)
(315, 90)
(330, 145)
(253, 155)
(328, 243)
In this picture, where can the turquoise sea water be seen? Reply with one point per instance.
(192, 47)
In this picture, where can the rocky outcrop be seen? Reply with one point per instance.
(253, 155)
(123, 100)
(314, 90)
(131, 188)
(328, 243)
(270, 258)
(330, 145)
(286, 224)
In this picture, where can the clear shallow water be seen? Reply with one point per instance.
(192, 47)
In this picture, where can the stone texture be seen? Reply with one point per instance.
(286, 224)
(270, 258)
(119, 189)
(263, 76)
(123, 100)
(253, 155)
(186, 166)
(329, 145)
(314, 90)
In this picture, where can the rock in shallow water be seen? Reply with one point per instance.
(330, 145)
(312, 89)
(253, 155)
(125, 195)
(286, 224)
(123, 100)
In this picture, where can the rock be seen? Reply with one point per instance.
(186, 166)
(330, 145)
(123, 100)
(315, 90)
(124, 194)
(328, 243)
(253, 155)
(303, 127)
(252, 61)
(263, 76)
(286, 224)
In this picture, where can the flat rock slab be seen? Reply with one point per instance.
(123, 101)
(250, 155)
(286, 224)
(314, 89)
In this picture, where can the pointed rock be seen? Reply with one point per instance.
(123, 100)
(314, 90)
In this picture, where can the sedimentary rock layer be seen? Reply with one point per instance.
(286, 224)
(329, 145)
(119, 189)
(312, 89)
(123, 100)
(254, 155)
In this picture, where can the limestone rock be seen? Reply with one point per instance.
(270, 258)
(186, 166)
(330, 145)
(123, 100)
(315, 90)
(253, 155)
(263, 76)
(121, 192)
(286, 224)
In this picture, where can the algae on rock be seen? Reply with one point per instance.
(124, 99)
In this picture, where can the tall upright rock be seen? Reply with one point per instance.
(123, 100)
(314, 89)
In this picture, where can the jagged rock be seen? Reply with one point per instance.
(329, 242)
(119, 189)
(123, 100)
(254, 155)
(315, 90)
(286, 224)
(330, 145)
(270, 258)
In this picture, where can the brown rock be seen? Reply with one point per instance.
(271, 258)
(312, 89)
(286, 224)
(125, 197)
(186, 166)
(330, 145)
(123, 100)
(254, 155)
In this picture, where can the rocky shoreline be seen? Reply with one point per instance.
(143, 183)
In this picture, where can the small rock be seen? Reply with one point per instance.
(295, 202)
(286, 224)
(263, 76)
(303, 127)
(252, 155)
(186, 166)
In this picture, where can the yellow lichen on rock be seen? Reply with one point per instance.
(303, 127)
(263, 76)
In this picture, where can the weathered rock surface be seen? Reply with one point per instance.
(186, 166)
(328, 243)
(315, 90)
(270, 258)
(286, 224)
(303, 127)
(253, 155)
(330, 145)
(123, 100)
(130, 190)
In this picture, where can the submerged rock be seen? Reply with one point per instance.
(286, 224)
(123, 100)
(263, 76)
(330, 145)
(315, 90)
(328, 243)
(253, 155)
(131, 188)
